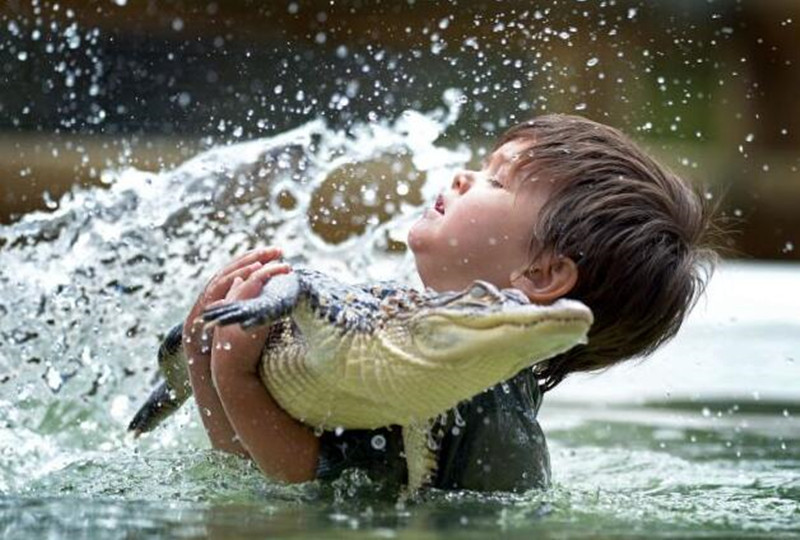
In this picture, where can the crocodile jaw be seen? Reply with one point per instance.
(529, 331)
(414, 367)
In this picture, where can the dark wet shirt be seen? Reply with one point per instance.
(491, 442)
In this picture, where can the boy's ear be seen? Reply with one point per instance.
(546, 280)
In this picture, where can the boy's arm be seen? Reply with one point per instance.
(197, 346)
(259, 406)
(282, 447)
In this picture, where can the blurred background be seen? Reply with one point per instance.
(710, 86)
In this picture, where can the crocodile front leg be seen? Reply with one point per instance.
(277, 299)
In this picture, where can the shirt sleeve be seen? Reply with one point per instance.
(492, 442)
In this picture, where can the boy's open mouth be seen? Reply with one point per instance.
(439, 206)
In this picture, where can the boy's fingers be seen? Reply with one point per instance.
(243, 266)
(241, 283)
(232, 292)
(226, 280)
(244, 285)
(245, 289)
(269, 270)
(216, 303)
(261, 255)
(218, 288)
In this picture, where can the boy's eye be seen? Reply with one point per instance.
(494, 182)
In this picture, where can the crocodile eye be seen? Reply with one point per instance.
(478, 291)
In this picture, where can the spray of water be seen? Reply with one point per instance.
(88, 290)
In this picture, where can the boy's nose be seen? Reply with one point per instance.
(463, 180)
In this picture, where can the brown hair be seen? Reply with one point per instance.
(636, 231)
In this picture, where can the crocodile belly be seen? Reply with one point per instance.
(316, 398)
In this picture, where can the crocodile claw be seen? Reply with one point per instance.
(248, 313)
(277, 299)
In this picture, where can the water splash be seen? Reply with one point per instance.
(89, 289)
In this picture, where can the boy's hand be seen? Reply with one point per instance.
(247, 344)
(197, 344)
(218, 287)
(283, 448)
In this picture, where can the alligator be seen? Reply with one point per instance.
(361, 357)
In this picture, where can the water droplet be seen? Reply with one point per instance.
(184, 99)
(378, 442)
(592, 62)
(53, 379)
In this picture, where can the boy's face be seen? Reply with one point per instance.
(480, 227)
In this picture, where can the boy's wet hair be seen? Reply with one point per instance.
(636, 231)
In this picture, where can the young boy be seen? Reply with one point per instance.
(562, 207)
